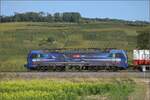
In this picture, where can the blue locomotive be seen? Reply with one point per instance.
(77, 59)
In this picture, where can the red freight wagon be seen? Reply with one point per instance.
(141, 59)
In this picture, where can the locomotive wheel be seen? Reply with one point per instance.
(69, 68)
(50, 68)
(42, 68)
(38, 68)
(60, 68)
(93, 68)
(89, 68)
(63, 68)
(46, 68)
(107, 68)
(84, 68)
(54, 68)
(78, 68)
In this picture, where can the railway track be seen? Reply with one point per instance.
(41, 75)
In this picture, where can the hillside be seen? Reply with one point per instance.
(17, 38)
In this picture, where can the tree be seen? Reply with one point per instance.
(17, 17)
(75, 17)
(1, 18)
(7, 19)
(50, 39)
(49, 18)
(71, 17)
(66, 17)
(143, 40)
(57, 17)
(41, 17)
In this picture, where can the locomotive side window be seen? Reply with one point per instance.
(112, 55)
(119, 55)
(44, 56)
(40, 56)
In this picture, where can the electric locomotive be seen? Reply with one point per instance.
(88, 59)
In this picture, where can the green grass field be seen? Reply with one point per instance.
(16, 39)
(65, 89)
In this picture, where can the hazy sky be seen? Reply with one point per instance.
(120, 9)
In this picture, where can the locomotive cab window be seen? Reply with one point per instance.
(34, 56)
(39, 56)
(119, 55)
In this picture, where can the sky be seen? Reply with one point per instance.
(118, 9)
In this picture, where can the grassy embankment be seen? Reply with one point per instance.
(16, 39)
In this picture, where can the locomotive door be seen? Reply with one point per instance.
(113, 59)
(116, 59)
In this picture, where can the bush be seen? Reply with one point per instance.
(143, 40)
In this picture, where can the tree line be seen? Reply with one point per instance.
(42, 17)
(74, 17)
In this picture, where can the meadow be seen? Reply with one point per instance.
(18, 38)
(67, 89)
